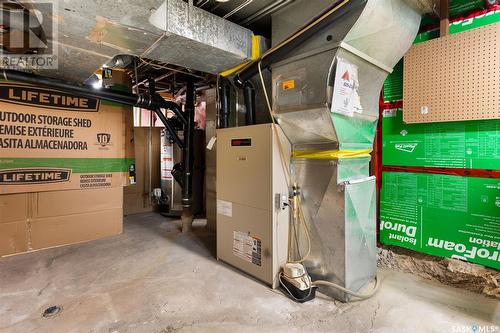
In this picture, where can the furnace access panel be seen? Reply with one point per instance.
(252, 228)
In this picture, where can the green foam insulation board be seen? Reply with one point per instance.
(447, 216)
(472, 144)
(458, 8)
(465, 144)
(393, 86)
(463, 7)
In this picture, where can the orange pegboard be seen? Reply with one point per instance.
(454, 78)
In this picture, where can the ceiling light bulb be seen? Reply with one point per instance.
(97, 84)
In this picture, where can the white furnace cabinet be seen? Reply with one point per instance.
(252, 219)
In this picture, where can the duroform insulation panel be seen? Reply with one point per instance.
(464, 144)
(447, 216)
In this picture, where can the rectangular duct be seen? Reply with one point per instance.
(91, 33)
(197, 39)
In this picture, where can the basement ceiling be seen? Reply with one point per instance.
(91, 33)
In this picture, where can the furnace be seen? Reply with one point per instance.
(252, 201)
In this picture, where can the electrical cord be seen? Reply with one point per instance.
(302, 221)
(286, 169)
(347, 291)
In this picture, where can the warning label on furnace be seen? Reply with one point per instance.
(247, 247)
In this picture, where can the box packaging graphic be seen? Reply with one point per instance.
(51, 140)
(447, 216)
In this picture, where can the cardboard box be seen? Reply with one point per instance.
(469, 144)
(51, 140)
(69, 229)
(13, 226)
(33, 221)
(447, 216)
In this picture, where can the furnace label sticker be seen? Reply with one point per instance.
(346, 98)
(247, 247)
(224, 208)
(288, 85)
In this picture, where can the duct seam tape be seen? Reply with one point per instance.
(331, 154)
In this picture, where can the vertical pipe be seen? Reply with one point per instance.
(249, 97)
(152, 92)
(188, 151)
(225, 106)
(188, 159)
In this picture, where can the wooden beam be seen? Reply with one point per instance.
(444, 16)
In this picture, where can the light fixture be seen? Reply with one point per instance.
(97, 84)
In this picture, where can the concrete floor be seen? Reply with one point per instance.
(154, 279)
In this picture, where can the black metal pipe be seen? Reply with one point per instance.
(150, 102)
(304, 35)
(225, 104)
(82, 90)
(164, 120)
(249, 97)
(169, 128)
(174, 107)
(188, 150)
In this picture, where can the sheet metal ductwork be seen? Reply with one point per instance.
(325, 94)
(90, 33)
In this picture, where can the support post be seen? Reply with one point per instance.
(225, 104)
(249, 97)
(188, 159)
(444, 16)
